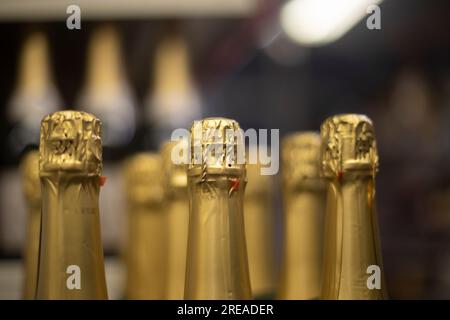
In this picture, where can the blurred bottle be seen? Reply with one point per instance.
(71, 255)
(173, 102)
(106, 92)
(352, 266)
(217, 266)
(34, 96)
(32, 191)
(304, 206)
(145, 254)
(177, 202)
(259, 232)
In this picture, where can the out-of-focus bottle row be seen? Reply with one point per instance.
(194, 231)
(170, 103)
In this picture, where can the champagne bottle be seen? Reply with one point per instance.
(32, 192)
(352, 266)
(304, 204)
(106, 91)
(35, 94)
(259, 232)
(145, 255)
(217, 266)
(177, 208)
(173, 100)
(71, 254)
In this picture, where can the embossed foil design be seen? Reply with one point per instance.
(349, 161)
(348, 144)
(71, 140)
(217, 147)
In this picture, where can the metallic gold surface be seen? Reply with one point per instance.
(216, 146)
(304, 206)
(70, 141)
(259, 231)
(177, 208)
(349, 161)
(145, 254)
(217, 266)
(29, 168)
(71, 254)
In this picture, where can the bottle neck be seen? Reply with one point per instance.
(31, 254)
(302, 250)
(177, 232)
(351, 244)
(260, 239)
(217, 266)
(145, 254)
(34, 73)
(71, 255)
(104, 71)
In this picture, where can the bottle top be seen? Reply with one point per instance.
(71, 141)
(300, 159)
(217, 147)
(29, 167)
(348, 145)
(143, 179)
(174, 174)
(258, 185)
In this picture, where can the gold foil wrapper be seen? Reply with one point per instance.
(352, 258)
(174, 174)
(29, 168)
(71, 141)
(146, 246)
(217, 265)
(144, 180)
(303, 203)
(348, 145)
(217, 147)
(71, 254)
(300, 161)
(259, 231)
(177, 217)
